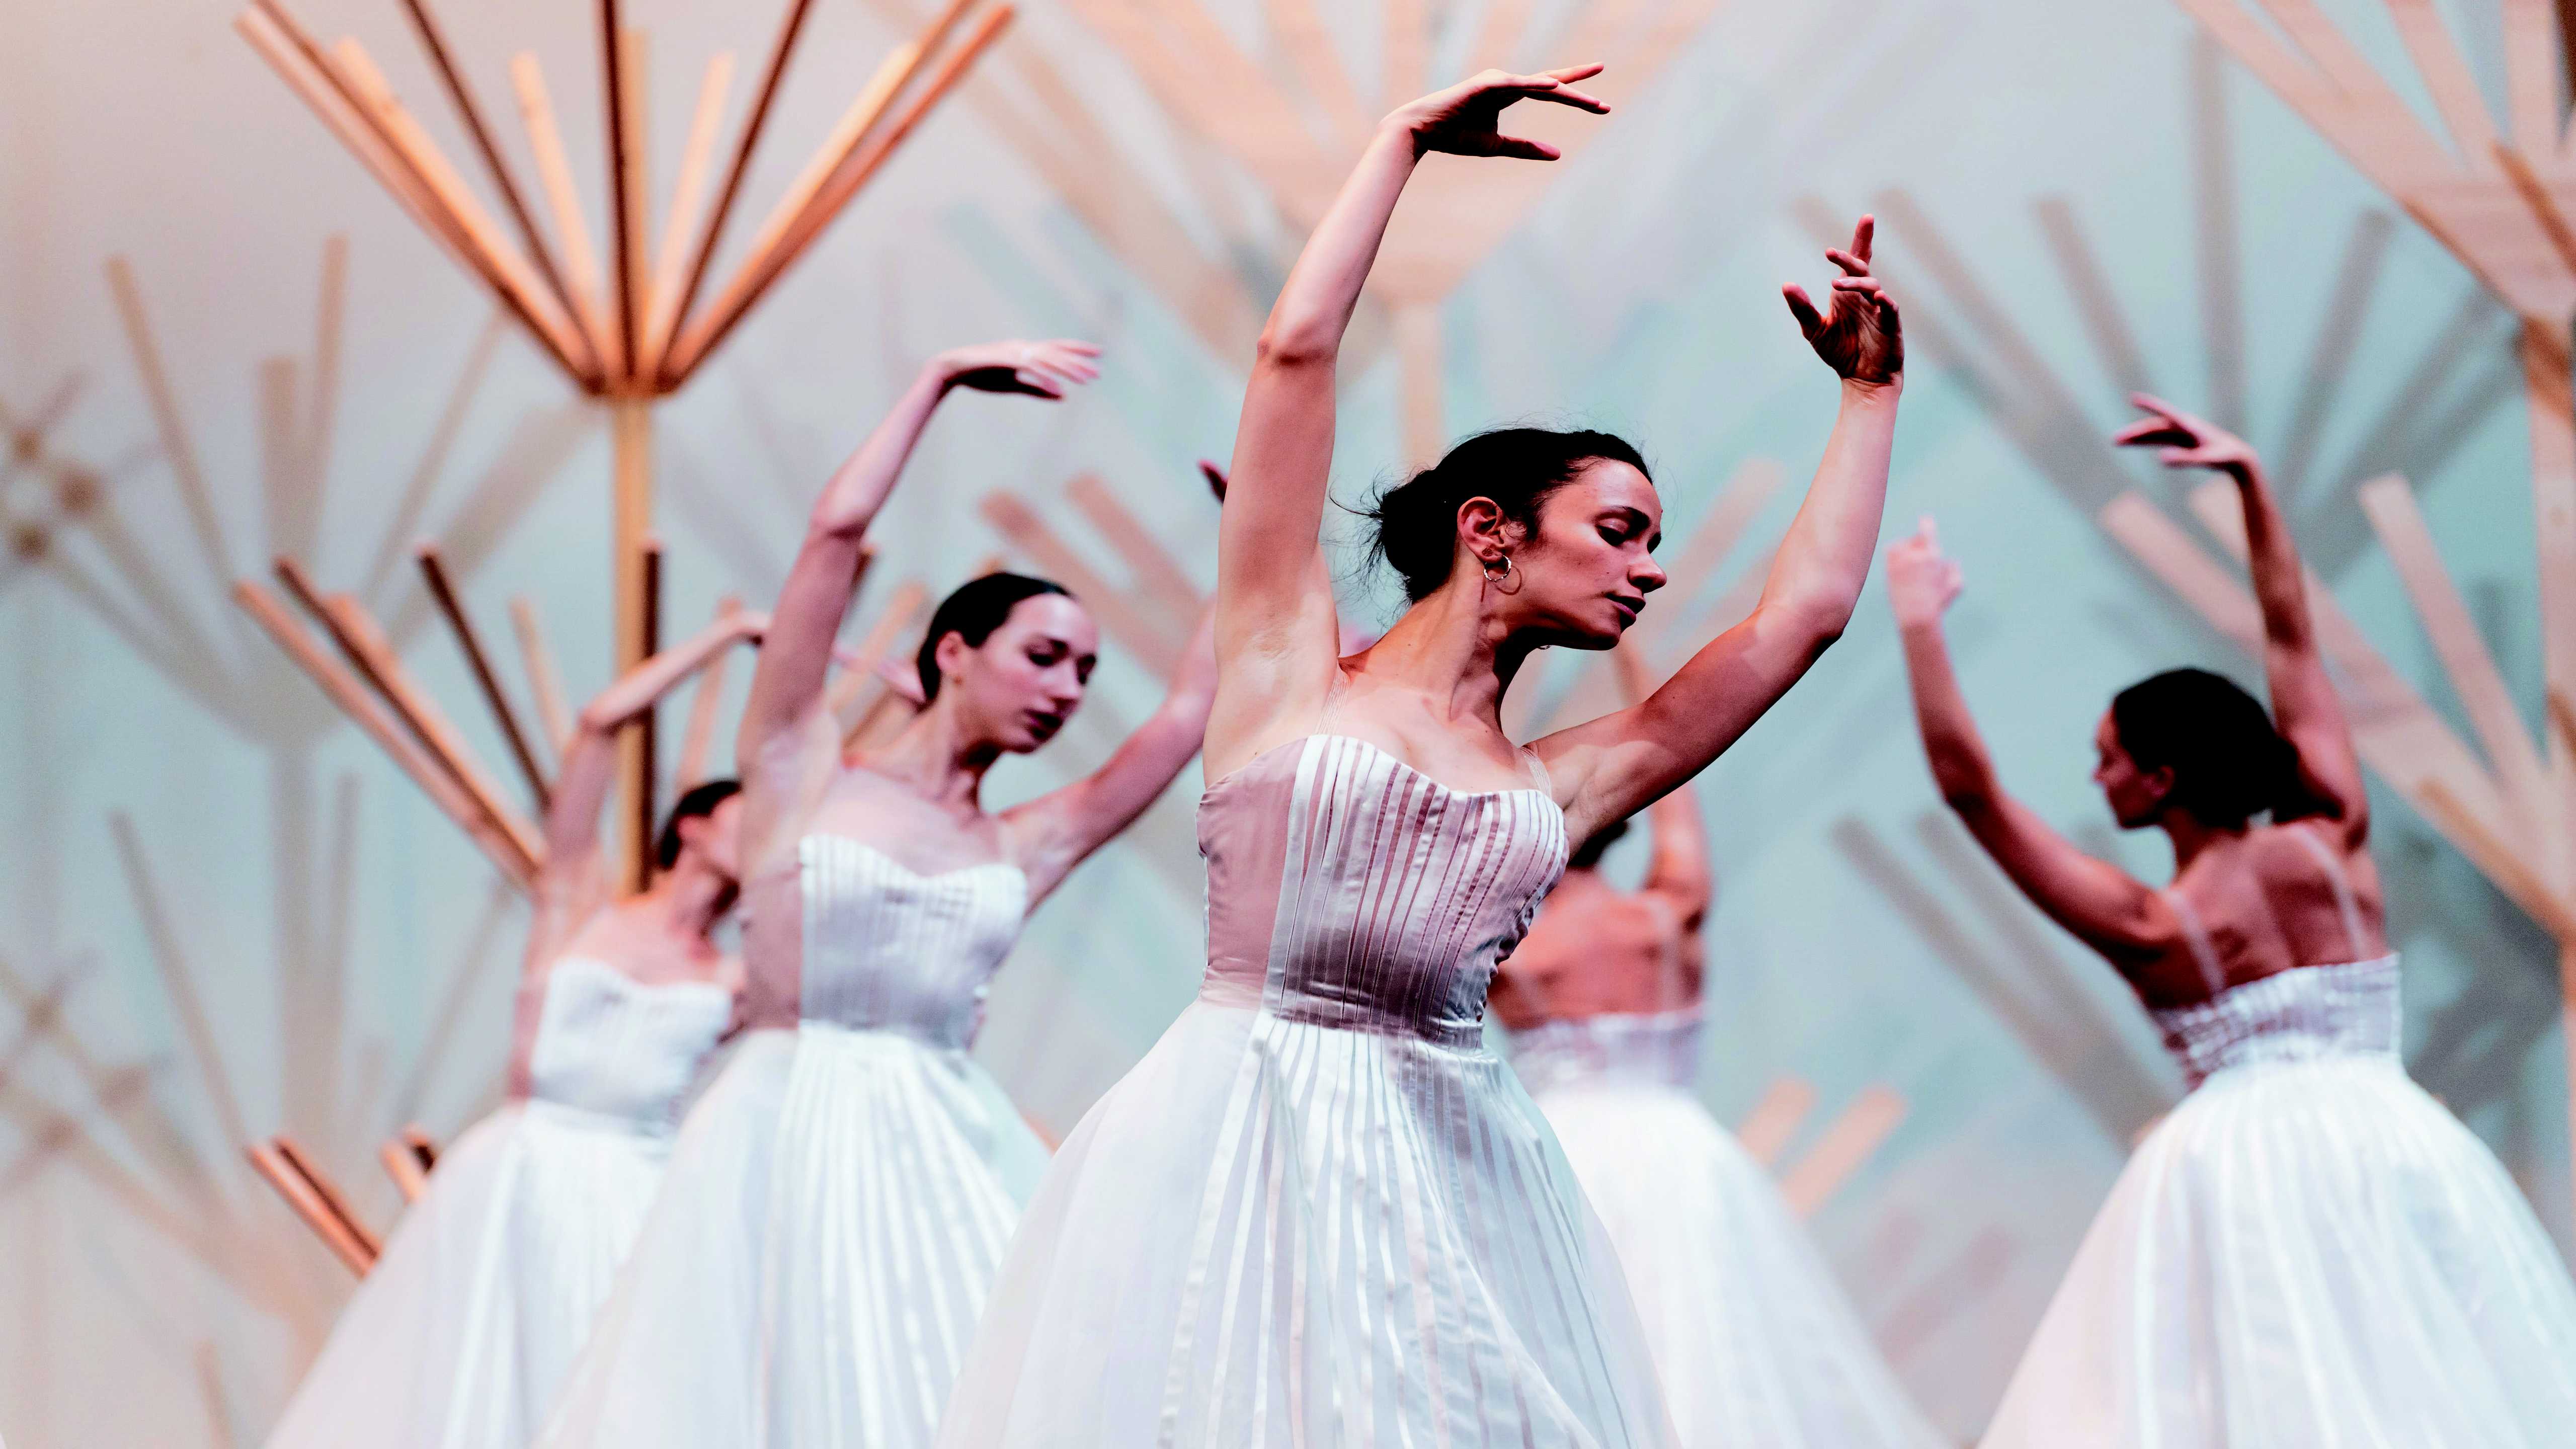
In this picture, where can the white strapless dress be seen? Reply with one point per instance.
(839, 1198)
(1752, 1337)
(2308, 1253)
(462, 1333)
(1320, 1212)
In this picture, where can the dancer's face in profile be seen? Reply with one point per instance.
(2136, 796)
(715, 838)
(1586, 569)
(1017, 688)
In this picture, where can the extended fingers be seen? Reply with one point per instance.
(1864, 233)
(1810, 320)
(1215, 476)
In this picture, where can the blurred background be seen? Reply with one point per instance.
(224, 915)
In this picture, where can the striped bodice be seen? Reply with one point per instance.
(2301, 1014)
(889, 949)
(613, 1046)
(1347, 889)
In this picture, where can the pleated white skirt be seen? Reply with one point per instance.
(463, 1331)
(834, 1211)
(1752, 1336)
(2305, 1255)
(1275, 1233)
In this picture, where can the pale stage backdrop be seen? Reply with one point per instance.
(223, 915)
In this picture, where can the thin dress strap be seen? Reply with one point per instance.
(2195, 934)
(2345, 906)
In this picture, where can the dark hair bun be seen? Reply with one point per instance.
(1415, 523)
(2229, 763)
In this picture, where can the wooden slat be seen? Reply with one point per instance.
(364, 641)
(378, 724)
(619, 127)
(2531, 44)
(2446, 75)
(404, 1169)
(688, 202)
(443, 590)
(706, 693)
(761, 271)
(308, 1205)
(1841, 1149)
(1158, 575)
(1774, 1118)
(2390, 505)
(333, 1200)
(790, 26)
(563, 197)
(545, 682)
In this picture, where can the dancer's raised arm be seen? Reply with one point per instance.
(1613, 766)
(779, 737)
(1275, 626)
(2304, 706)
(2106, 907)
(1677, 870)
(572, 885)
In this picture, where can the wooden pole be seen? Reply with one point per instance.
(554, 172)
(790, 26)
(404, 1169)
(702, 335)
(631, 438)
(441, 589)
(612, 53)
(671, 259)
(377, 723)
(646, 733)
(300, 1196)
(333, 1200)
(472, 115)
(545, 682)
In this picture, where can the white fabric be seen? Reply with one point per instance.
(1320, 1212)
(462, 1332)
(2308, 1253)
(837, 1201)
(1751, 1335)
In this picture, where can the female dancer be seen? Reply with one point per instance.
(1320, 1211)
(461, 1334)
(2309, 1250)
(1751, 1335)
(840, 1197)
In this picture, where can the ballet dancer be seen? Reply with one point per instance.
(1320, 1211)
(840, 1197)
(2308, 1251)
(460, 1336)
(1752, 1337)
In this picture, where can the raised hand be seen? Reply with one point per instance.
(1037, 369)
(1215, 477)
(1860, 337)
(1466, 119)
(1921, 582)
(2184, 441)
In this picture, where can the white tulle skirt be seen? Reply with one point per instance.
(2305, 1255)
(1752, 1336)
(1274, 1233)
(462, 1333)
(833, 1214)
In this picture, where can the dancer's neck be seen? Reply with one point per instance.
(690, 898)
(2191, 837)
(937, 757)
(1454, 650)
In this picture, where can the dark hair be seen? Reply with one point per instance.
(697, 803)
(1416, 521)
(2229, 764)
(972, 613)
(1589, 853)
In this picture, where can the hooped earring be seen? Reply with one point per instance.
(1495, 576)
